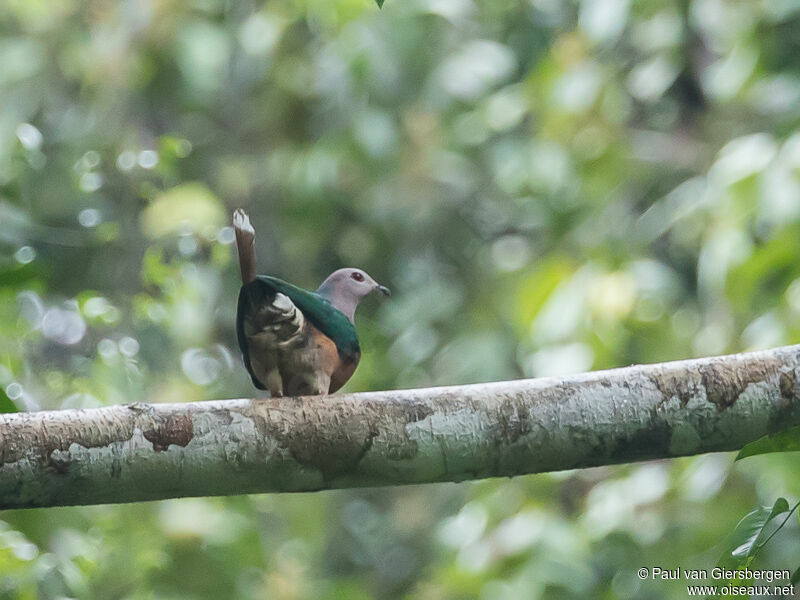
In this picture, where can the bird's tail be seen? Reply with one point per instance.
(245, 245)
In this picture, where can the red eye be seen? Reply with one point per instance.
(357, 276)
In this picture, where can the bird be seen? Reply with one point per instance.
(297, 342)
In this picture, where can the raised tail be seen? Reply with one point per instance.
(245, 245)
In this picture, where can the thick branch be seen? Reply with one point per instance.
(148, 452)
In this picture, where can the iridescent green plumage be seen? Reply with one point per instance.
(316, 309)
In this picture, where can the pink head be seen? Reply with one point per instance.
(344, 288)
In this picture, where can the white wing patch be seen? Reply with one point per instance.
(282, 303)
(278, 323)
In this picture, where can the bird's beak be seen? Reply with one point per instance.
(384, 290)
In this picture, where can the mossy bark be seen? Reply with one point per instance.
(153, 451)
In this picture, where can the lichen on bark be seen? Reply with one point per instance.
(150, 451)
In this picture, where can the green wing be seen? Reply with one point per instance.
(329, 320)
(241, 310)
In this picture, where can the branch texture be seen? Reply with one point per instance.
(154, 451)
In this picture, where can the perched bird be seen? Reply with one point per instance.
(296, 342)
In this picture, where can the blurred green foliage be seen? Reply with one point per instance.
(548, 186)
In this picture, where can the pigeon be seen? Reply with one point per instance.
(296, 342)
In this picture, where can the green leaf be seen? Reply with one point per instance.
(783, 441)
(6, 404)
(17, 275)
(748, 538)
(756, 278)
(749, 535)
(379, 3)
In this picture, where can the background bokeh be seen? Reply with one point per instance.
(548, 187)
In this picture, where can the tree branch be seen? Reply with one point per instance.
(148, 452)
